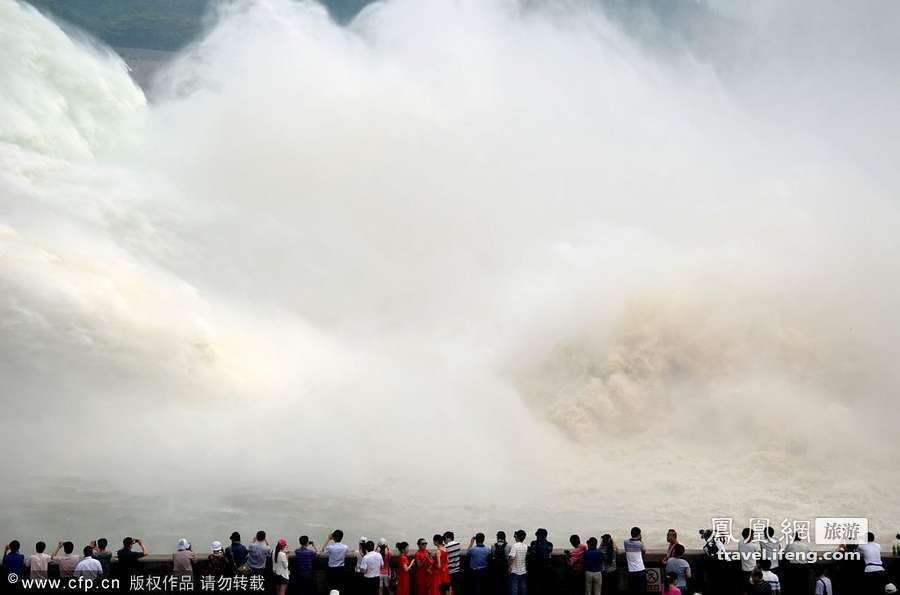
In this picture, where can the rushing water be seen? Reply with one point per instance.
(462, 264)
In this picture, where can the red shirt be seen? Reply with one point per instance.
(575, 555)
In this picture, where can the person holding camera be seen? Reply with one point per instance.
(337, 554)
(128, 558)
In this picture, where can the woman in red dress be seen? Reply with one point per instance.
(441, 572)
(403, 566)
(423, 563)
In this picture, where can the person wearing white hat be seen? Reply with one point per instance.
(890, 588)
(183, 559)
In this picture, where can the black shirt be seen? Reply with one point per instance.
(128, 561)
(540, 550)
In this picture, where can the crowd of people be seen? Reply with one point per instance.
(436, 567)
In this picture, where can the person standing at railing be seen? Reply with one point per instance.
(539, 552)
(593, 567)
(38, 561)
(499, 563)
(13, 560)
(128, 559)
(89, 567)
(280, 569)
(384, 588)
(404, 565)
(518, 572)
(424, 565)
(67, 561)
(258, 552)
(236, 554)
(634, 556)
(575, 563)
(453, 567)
(183, 559)
(304, 557)
(102, 555)
(610, 568)
(370, 567)
(441, 571)
(337, 554)
(479, 558)
(873, 573)
(216, 562)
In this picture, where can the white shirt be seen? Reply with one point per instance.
(517, 555)
(89, 567)
(748, 553)
(370, 565)
(871, 555)
(280, 565)
(336, 554)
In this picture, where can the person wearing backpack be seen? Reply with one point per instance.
(823, 583)
(499, 565)
(539, 562)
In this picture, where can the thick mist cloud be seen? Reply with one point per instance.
(503, 233)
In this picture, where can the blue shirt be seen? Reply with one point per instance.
(238, 554)
(680, 568)
(257, 552)
(303, 558)
(592, 559)
(478, 556)
(13, 563)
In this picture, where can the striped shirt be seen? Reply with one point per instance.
(773, 580)
(453, 556)
(634, 555)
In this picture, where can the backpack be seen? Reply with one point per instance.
(498, 555)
